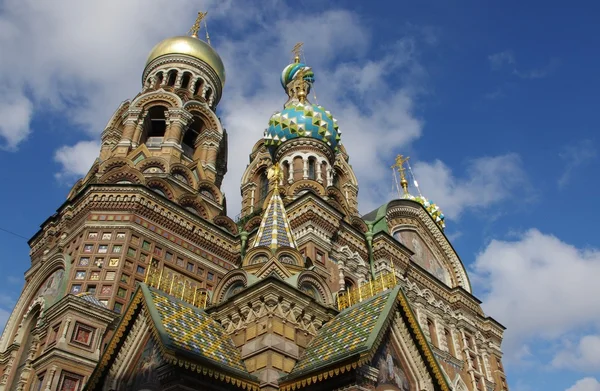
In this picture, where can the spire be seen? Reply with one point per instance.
(274, 230)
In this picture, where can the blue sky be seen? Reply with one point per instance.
(495, 103)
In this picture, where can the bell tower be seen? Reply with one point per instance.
(169, 137)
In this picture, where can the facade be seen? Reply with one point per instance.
(140, 280)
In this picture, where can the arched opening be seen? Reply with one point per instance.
(336, 179)
(432, 332)
(158, 190)
(155, 126)
(310, 290)
(159, 79)
(188, 144)
(263, 188)
(286, 171)
(324, 173)
(298, 167)
(208, 94)
(172, 78)
(311, 168)
(449, 342)
(233, 289)
(185, 81)
(198, 86)
(28, 340)
(348, 283)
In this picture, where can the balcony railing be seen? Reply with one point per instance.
(177, 286)
(366, 290)
(154, 142)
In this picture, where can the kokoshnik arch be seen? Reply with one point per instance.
(140, 280)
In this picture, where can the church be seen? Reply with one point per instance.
(141, 281)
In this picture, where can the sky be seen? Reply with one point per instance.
(495, 103)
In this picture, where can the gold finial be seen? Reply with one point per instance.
(275, 175)
(194, 30)
(297, 50)
(400, 160)
(301, 87)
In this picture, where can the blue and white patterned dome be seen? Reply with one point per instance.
(289, 73)
(302, 120)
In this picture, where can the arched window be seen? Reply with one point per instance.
(27, 341)
(264, 187)
(208, 94)
(191, 135)
(185, 81)
(311, 168)
(198, 86)
(286, 171)
(348, 283)
(449, 342)
(158, 190)
(172, 78)
(155, 125)
(159, 79)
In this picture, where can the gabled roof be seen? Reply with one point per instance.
(352, 338)
(274, 230)
(91, 299)
(186, 335)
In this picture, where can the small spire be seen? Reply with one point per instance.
(400, 160)
(196, 27)
(274, 230)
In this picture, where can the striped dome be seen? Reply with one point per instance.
(290, 71)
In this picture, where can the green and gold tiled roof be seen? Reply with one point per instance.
(352, 332)
(274, 230)
(190, 330)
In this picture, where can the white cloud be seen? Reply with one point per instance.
(575, 155)
(76, 160)
(499, 60)
(16, 112)
(488, 180)
(583, 356)
(540, 288)
(585, 384)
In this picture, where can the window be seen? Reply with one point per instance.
(185, 80)
(106, 290)
(113, 262)
(117, 248)
(88, 248)
(70, 382)
(146, 245)
(264, 187)
(469, 341)
(131, 252)
(190, 267)
(84, 261)
(83, 334)
(95, 275)
(320, 256)
(311, 168)
(140, 270)
(449, 341)
(210, 276)
(118, 307)
(432, 332)
(103, 248)
(40, 382)
(110, 276)
(80, 275)
(75, 288)
(475, 362)
(106, 236)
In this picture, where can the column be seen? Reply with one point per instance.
(63, 336)
(290, 170)
(130, 119)
(50, 378)
(178, 119)
(304, 167)
(319, 177)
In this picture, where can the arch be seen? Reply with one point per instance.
(224, 289)
(263, 188)
(211, 121)
(209, 94)
(198, 86)
(312, 168)
(227, 223)
(212, 189)
(252, 224)
(185, 80)
(114, 163)
(183, 174)
(54, 263)
(306, 185)
(160, 165)
(190, 137)
(159, 77)
(311, 278)
(154, 126)
(256, 256)
(161, 187)
(171, 77)
(116, 119)
(123, 174)
(195, 205)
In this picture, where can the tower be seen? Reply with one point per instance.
(140, 281)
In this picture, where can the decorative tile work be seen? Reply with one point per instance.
(193, 331)
(274, 230)
(346, 334)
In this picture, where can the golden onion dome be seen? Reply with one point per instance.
(193, 47)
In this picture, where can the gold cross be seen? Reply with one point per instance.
(194, 30)
(297, 50)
